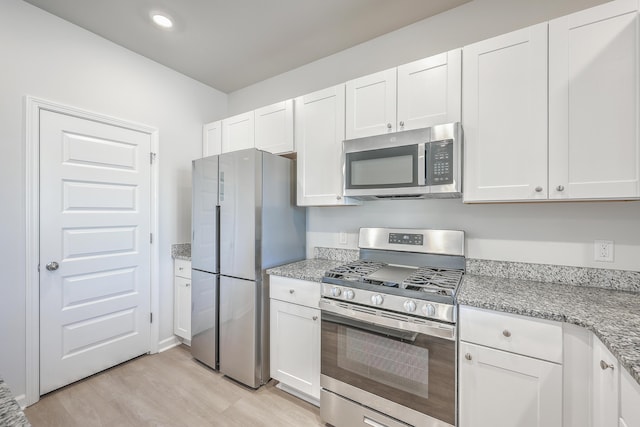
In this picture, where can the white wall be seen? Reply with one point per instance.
(471, 22)
(49, 58)
(555, 233)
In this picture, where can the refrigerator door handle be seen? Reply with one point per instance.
(221, 186)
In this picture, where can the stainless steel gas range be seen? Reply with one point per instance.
(389, 331)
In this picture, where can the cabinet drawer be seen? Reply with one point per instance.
(182, 268)
(537, 338)
(296, 291)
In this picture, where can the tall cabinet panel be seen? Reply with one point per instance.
(594, 95)
(429, 91)
(212, 139)
(505, 116)
(319, 132)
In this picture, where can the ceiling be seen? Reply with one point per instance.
(231, 44)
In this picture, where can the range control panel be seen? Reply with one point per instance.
(440, 163)
(406, 239)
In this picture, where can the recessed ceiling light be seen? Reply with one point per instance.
(162, 21)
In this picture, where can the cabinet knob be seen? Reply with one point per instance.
(338, 197)
(401, 124)
(467, 356)
(187, 284)
(560, 188)
(291, 291)
(538, 189)
(604, 365)
(506, 333)
(388, 125)
(315, 317)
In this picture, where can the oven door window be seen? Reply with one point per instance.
(411, 369)
(383, 168)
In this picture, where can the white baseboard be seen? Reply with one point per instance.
(168, 343)
(298, 394)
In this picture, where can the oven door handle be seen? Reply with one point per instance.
(352, 313)
(408, 336)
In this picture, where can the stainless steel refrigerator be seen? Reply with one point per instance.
(244, 221)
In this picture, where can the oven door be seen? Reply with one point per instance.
(402, 367)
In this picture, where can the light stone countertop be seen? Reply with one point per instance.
(613, 315)
(10, 412)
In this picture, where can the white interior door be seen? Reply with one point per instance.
(95, 202)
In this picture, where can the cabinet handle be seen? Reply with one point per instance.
(401, 124)
(604, 365)
(388, 125)
(506, 333)
(180, 268)
(560, 188)
(187, 284)
(468, 356)
(291, 291)
(538, 189)
(315, 317)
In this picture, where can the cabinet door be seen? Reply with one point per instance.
(212, 139)
(429, 91)
(594, 149)
(606, 380)
(501, 389)
(371, 105)
(629, 400)
(319, 132)
(505, 117)
(182, 308)
(238, 132)
(295, 346)
(274, 127)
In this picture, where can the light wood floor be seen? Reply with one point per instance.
(169, 389)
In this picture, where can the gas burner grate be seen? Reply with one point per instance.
(435, 280)
(354, 270)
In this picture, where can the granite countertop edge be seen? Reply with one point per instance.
(609, 314)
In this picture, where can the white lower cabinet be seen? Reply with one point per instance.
(629, 400)
(605, 386)
(501, 382)
(182, 299)
(295, 336)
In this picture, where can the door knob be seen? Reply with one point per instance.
(53, 266)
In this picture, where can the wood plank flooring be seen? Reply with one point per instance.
(169, 389)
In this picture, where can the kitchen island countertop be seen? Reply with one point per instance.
(614, 316)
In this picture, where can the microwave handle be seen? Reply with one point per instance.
(423, 156)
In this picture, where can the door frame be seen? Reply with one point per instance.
(33, 106)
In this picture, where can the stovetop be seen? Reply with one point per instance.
(405, 271)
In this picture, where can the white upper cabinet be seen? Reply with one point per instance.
(212, 139)
(238, 132)
(371, 104)
(429, 91)
(589, 147)
(504, 113)
(319, 132)
(594, 95)
(415, 95)
(274, 128)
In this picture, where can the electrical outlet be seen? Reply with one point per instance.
(603, 250)
(342, 238)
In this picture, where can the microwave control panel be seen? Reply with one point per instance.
(440, 163)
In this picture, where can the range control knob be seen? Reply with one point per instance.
(410, 306)
(377, 299)
(335, 292)
(348, 294)
(429, 310)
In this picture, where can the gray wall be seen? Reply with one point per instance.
(48, 58)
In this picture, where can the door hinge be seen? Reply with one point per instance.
(152, 157)
(150, 237)
(150, 317)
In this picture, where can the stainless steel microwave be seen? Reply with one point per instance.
(421, 163)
